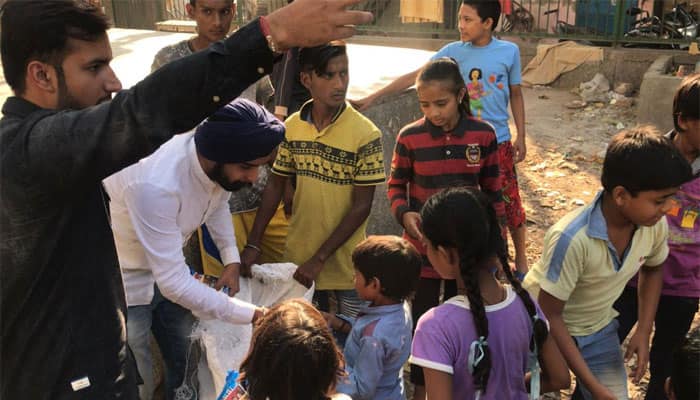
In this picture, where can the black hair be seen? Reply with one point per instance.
(39, 30)
(316, 58)
(292, 356)
(686, 101)
(446, 69)
(685, 367)
(465, 219)
(481, 75)
(641, 159)
(393, 261)
(486, 9)
(194, 2)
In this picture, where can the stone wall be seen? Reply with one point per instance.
(390, 115)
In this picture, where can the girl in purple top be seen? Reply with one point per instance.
(478, 344)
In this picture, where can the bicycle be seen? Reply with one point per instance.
(519, 20)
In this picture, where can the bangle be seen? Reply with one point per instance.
(252, 246)
(265, 29)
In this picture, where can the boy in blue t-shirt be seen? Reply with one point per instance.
(491, 69)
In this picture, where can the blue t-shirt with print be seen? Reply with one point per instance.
(488, 72)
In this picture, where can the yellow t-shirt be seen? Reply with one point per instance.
(327, 165)
(580, 266)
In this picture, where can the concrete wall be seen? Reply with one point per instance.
(390, 115)
(618, 65)
(655, 104)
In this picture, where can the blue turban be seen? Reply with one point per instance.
(238, 132)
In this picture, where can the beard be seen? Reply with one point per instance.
(66, 101)
(217, 175)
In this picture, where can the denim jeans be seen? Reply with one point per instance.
(348, 303)
(171, 326)
(603, 355)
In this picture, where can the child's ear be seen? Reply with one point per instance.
(305, 79)
(376, 283)
(620, 195)
(450, 254)
(682, 123)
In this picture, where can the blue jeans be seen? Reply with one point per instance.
(603, 355)
(348, 303)
(171, 326)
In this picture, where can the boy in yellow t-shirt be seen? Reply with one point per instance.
(591, 253)
(336, 155)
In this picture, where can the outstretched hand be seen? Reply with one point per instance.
(306, 23)
(639, 346)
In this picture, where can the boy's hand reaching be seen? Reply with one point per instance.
(639, 345)
(307, 272)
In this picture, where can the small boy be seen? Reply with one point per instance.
(681, 277)
(491, 69)
(386, 274)
(684, 382)
(591, 253)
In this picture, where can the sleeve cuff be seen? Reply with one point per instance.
(230, 255)
(242, 312)
(422, 362)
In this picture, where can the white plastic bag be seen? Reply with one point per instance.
(225, 345)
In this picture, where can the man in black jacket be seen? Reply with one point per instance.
(62, 310)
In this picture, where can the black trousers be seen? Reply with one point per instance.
(673, 318)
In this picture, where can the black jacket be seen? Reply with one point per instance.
(63, 310)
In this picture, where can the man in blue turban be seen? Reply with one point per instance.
(158, 203)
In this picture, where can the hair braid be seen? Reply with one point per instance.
(540, 331)
(482, 368)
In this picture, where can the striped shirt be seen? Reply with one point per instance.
(427, 160)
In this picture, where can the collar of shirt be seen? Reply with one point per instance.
(459, 130)
(380, 310)
(598, 229)
(19, 107)
(197, 171)
(305, 113)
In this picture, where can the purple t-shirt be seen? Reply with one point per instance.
(444, 334)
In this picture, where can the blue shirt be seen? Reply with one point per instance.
(375, 352)
(494, 67)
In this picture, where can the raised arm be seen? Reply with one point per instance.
(398, 85)
(95, 142)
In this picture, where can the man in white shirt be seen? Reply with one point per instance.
(158, 203)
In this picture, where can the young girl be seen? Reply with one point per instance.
(292, 356)
(446, 148)
(477, 345)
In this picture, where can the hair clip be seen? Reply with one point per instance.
(477, 353)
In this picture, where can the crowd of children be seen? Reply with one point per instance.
(445, 297)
